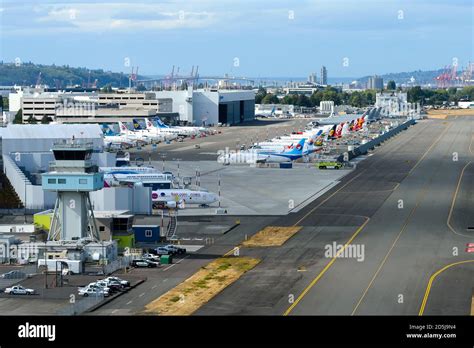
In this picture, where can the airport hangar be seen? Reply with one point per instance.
(211, 106)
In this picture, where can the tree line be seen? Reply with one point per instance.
(364, 98)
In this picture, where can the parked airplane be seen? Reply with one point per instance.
(139, 134)
(128, 170)
(155, 130)
(186, 131)
(154, 180)
(270, 113)
(256, 156)
(178, 197)
(112, 138)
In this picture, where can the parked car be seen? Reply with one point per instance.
(15, 274)
(97, 285)
(117, 279)
(144, 263)
(88, 291)
(176, 249)
(113, 286)
(162, 251)
(19, 290)
(151, 257)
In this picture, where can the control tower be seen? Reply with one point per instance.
(73, 175)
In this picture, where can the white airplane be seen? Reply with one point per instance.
(143, 135)
(150, 126)
(154, 180)
(128, 170)
(182, 130)
(167, 135)
(257, 156)
(270, 113)
(173, 198)
(113, 138)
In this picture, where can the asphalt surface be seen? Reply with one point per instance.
(167, 277)
(230, 137)
(406, 208)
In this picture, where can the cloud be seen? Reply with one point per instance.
(104, 17)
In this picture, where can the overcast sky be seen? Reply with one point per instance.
(246, 38)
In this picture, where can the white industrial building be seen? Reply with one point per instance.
(326, 106)
(211, 106)
(26, 154)
(392, 103)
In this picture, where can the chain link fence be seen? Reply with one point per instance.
(13, 277)
(80, 306)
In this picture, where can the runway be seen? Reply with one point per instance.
(407, 208)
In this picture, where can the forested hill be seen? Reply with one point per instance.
(59, 76)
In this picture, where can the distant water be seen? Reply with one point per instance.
(284, 80)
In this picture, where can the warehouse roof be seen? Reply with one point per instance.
(51, 131)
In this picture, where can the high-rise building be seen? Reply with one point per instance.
(375, 82)
(324, 75)
(312, 78)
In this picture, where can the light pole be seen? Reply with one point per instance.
(25, 202)
(45, 264)
(219, 188)
(163, 162)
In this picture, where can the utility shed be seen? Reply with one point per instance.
(146, 233)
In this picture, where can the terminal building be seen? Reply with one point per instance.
(190, 107)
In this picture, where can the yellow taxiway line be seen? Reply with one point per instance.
(432, 278)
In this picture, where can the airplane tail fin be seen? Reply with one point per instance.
(123, 128)
(136, 125)
(298, 149)
(149, 124)
(160, 123)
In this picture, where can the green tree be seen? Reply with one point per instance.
(261, 93)
(270, 99)
(289, 99)
(369, 96)
(415, 95)
(46, 120)
(6, 105)
(18, 117)
(315, 98)
(356, 99)
(303, 101)
(31, 120)
(391, 86)
(106, 89)
(331, 94)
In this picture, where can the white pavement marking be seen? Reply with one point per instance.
(115, 310)
(141, 294)
(174, 264)
(129, 302)
(154, 286)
